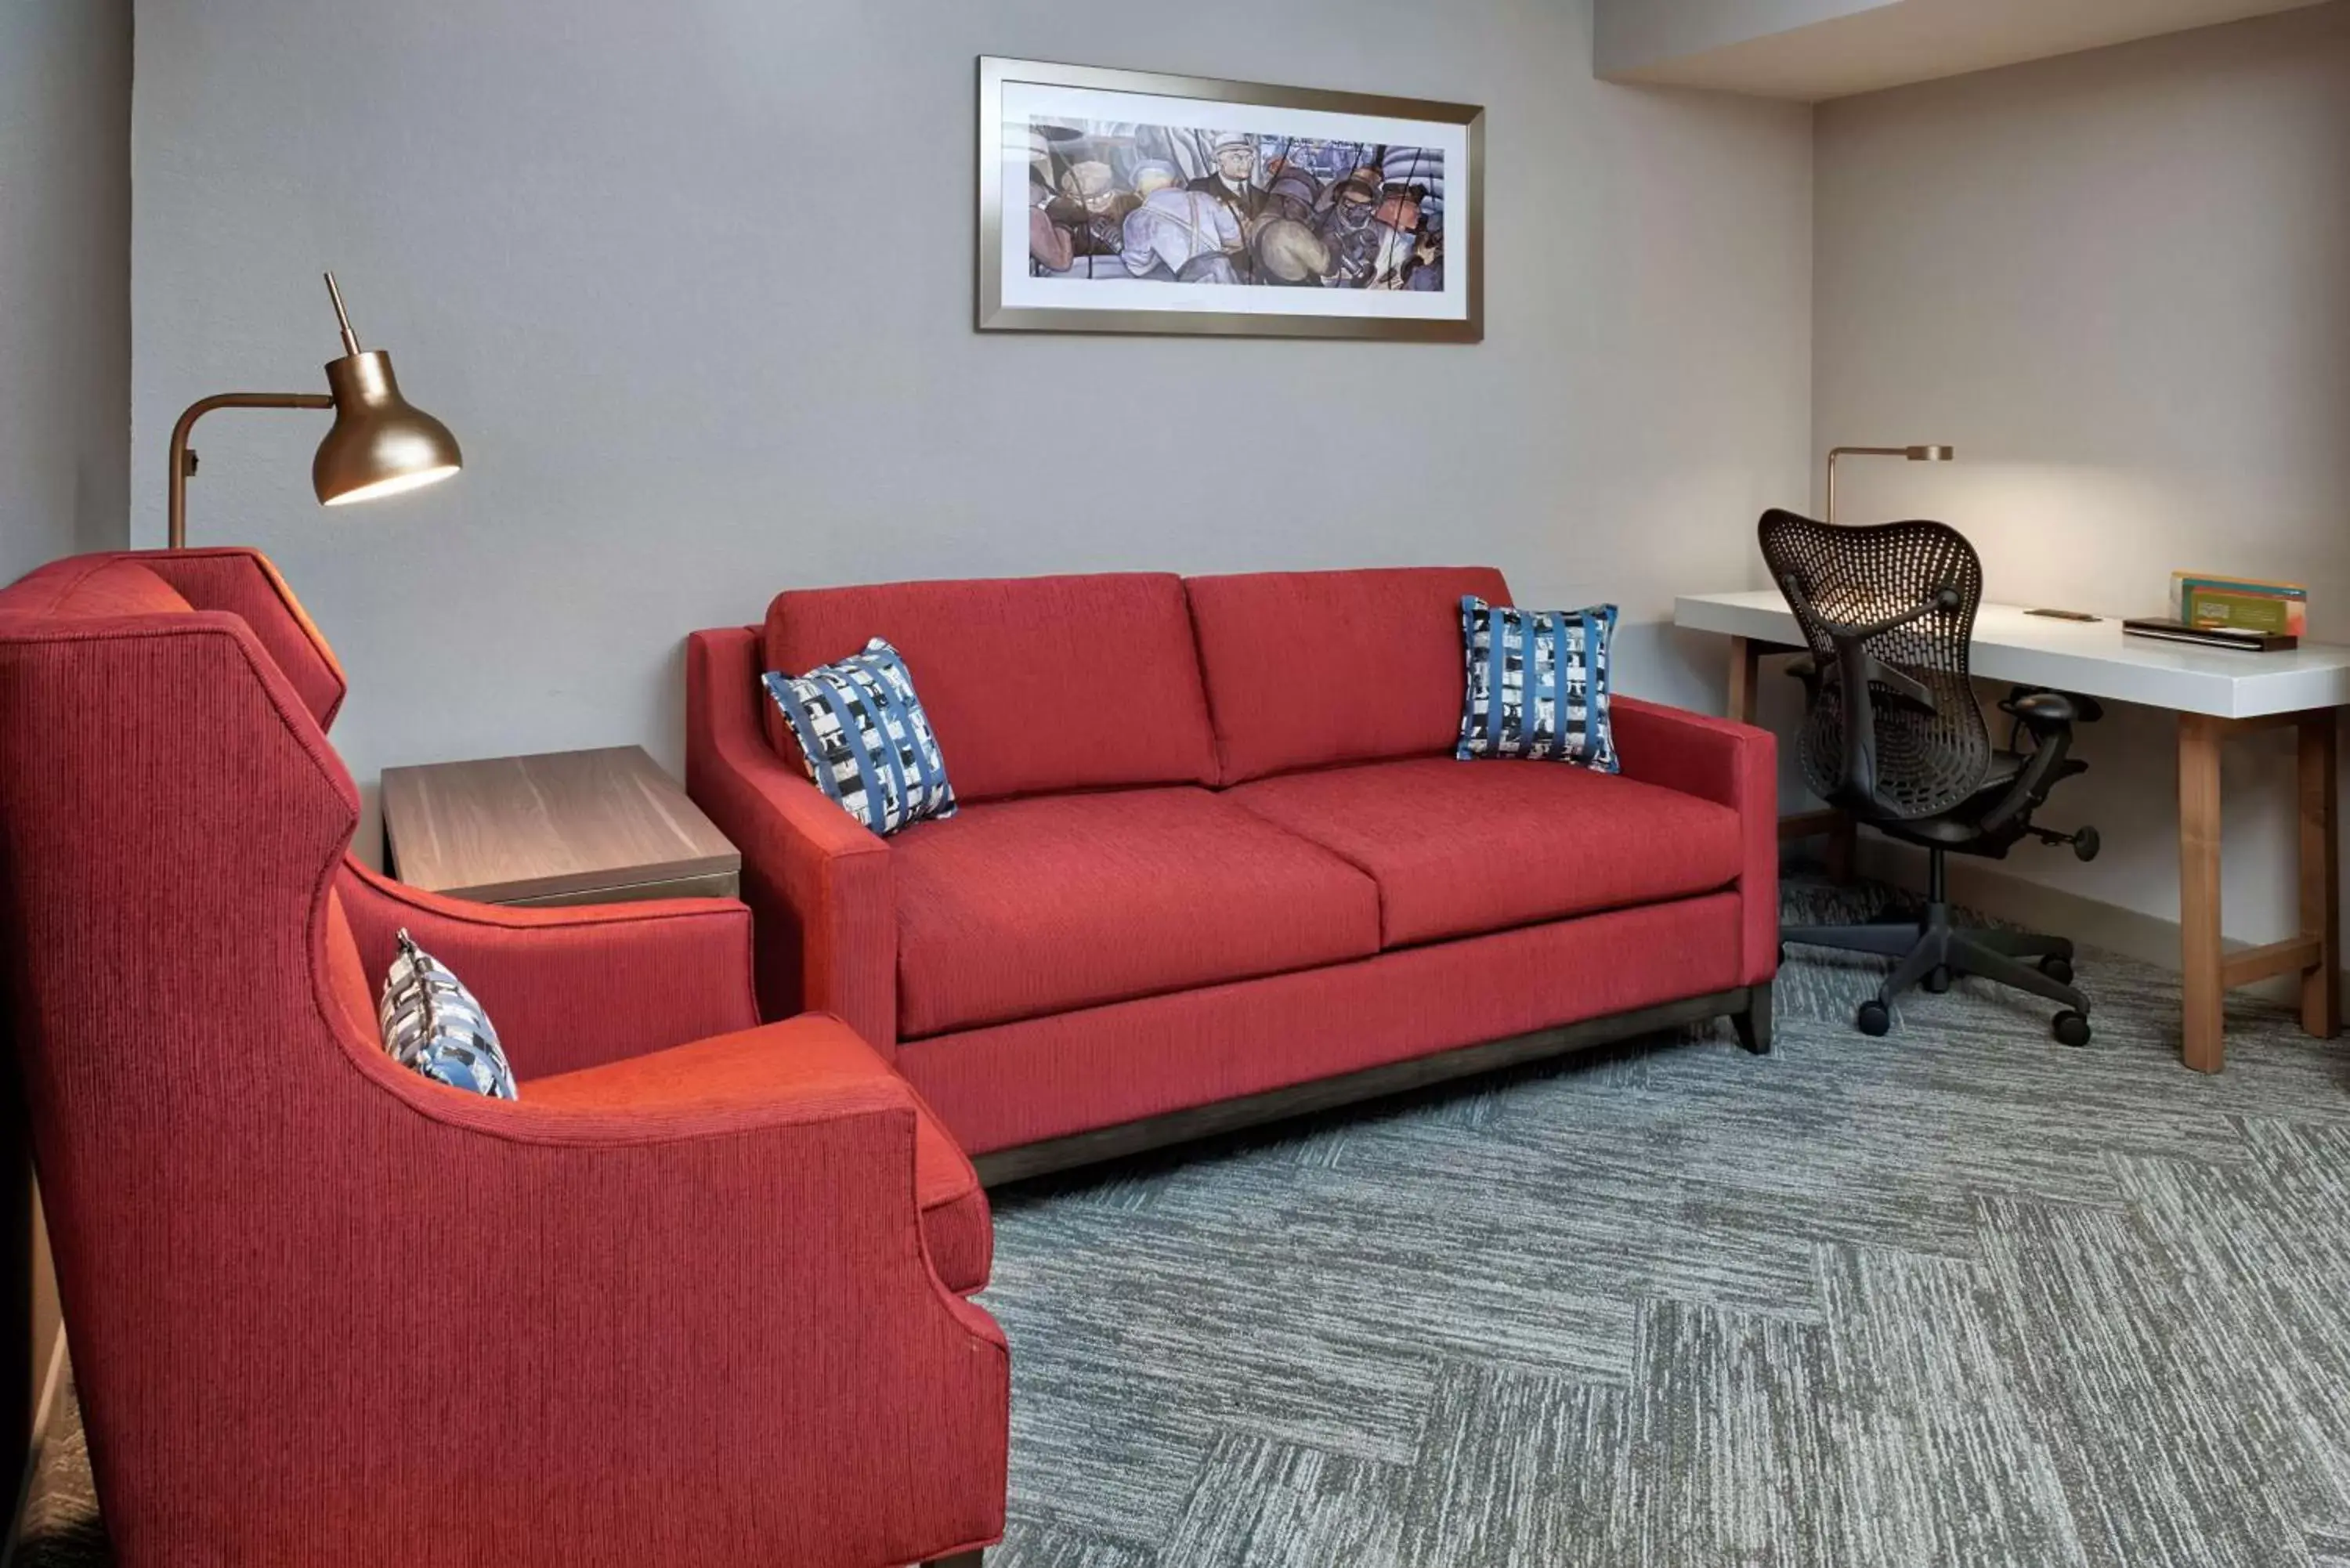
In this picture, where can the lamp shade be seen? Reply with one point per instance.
(381, 443)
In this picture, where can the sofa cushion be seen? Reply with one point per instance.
(1305, 670)
(1031, 683)
(1021, 908)
(864, 738)
(1461, 847)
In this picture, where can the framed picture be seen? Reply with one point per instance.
(1115, 201)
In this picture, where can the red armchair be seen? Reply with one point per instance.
(692, 1299)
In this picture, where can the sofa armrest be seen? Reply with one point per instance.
(818, 883)
(1731, 764)
(570, 987)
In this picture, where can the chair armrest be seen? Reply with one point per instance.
(570, 987)
(1731, 764)
(819, 884)
(688, 1263)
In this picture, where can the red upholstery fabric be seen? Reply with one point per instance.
(1731, 764)
(1462, 847)
(572, 986)
(694, 1294)
(1027, 907)
(82, 587)
(1030, 683)
(1048, 1077)
(1308, 669)
(817, 883)
(233, 580)
(813, 1055)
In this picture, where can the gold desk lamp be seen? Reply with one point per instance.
(381, 443)
(1914, 453)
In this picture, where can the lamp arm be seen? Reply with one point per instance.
(183, 459)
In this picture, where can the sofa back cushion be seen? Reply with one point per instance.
(1305, 670)
(1032, 684)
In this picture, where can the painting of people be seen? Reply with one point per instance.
(1222, 216)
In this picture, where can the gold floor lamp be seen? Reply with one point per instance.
(381, 443)
(1914, 453)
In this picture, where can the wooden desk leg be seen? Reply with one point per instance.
(1745, 672)
(2203, 1045)
(2321, 873)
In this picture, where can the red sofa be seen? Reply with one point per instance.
(1215, 860)
(697, 1297)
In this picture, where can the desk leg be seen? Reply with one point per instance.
(2202, 1043)
(1745, 670)
(2320, 874)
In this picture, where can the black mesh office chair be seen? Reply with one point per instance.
(1892, 734)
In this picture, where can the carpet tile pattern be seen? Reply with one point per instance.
(1959, 1295)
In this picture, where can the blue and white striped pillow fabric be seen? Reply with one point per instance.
(864, 740)
(1537, 684)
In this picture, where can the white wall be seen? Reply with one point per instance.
(1637, 34)
(2119, 283)
(65, 278)
(693, 286)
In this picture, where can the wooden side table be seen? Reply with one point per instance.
(562, 827)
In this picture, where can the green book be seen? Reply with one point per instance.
(2242, 604)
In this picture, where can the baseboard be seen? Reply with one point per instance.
(1981, 886)
(46, 1407)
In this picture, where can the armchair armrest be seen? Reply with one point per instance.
(695, 1267)
(1731, 764)
(571, 987)
(819, 884)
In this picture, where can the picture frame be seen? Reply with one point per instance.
(1142, 202)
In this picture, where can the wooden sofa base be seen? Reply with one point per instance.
(1747, 1007)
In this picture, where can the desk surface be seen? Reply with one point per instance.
(2091, 658)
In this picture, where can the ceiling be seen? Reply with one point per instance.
(1835, 48)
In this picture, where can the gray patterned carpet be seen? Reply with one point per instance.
(1959, 1295)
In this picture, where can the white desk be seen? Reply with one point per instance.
(2216, 694)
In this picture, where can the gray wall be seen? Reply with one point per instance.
(2119, 283)
(1632, 35)
(65, 412)
(65, 278)
(694, 286)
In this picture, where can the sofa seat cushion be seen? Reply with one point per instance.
(1460, 847)
(809, 1056)
(1022, 907)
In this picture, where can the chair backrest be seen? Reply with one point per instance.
(1892, 731)
(200, 1082)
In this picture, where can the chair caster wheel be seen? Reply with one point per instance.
(2085, 844)
(1873, 1017)
(1938, 978)
(2059, 970)
(2071, 1028)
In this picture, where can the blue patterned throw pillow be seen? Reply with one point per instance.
(1537, 684)
(864, 738)
(433, 1024)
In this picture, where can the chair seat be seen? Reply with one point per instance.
(1459, 849)
(1021, 908)
(809, 1054)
